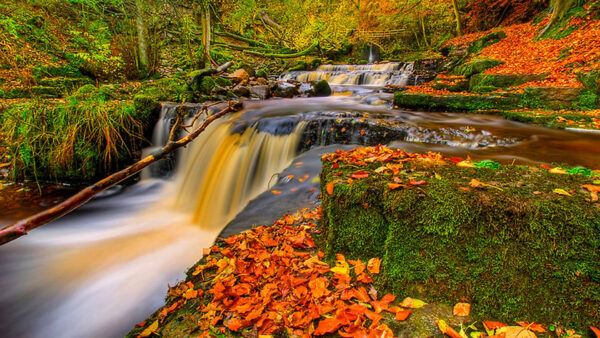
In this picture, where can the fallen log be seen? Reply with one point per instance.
(283, 50)
(307, 51)
(246, 40)
(22, 227)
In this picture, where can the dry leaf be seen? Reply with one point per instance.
(412, 303)
(462, 309)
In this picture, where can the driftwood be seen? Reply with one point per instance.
(22, 227)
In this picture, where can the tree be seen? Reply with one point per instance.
(458, 20)
(205, 13)
(559, 8)
(141, 36)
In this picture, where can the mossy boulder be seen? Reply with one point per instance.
(167, 89)
(262, 73)
(321, 88)
(207, 84)
(468, 103)
(475, 67)
(31, 92)
(554, 97)
(485, 41)
(502, 80)
(514, 248)
(452, 85)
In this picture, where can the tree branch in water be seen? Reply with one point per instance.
(22, 227)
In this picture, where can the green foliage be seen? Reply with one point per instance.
(587, 101)
(84, 138)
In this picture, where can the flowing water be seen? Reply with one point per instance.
(101, 269)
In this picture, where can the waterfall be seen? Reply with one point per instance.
(372, 57)
(379, 75)
(223, 170)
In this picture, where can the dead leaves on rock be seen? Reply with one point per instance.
(271, 279)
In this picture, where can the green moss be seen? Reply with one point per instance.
(262, 73)
(475, 67)
(67, 71)
(587, 101)
(514, 254)
(167, 89)
(502, 81)
(79, 140)
(321, 88)
(470, 103)
(485, 41)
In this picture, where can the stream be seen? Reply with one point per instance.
(106, 266)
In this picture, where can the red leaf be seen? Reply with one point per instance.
(327, 325)
(402, 315)
(493, 325)
(359, 175)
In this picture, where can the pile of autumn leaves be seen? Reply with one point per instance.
(271, 279)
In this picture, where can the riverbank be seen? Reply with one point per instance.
(318, 272)
(549, 79)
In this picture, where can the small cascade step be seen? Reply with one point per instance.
(393, 73)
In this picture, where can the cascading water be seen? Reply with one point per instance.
(373, 75)
(101, 269)
(224, 170)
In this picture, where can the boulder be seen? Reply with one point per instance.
(554, 97)
(475, 67)
(321, 88)
(502, 80)
(260, 92)
(261, 81)
(286, 89)
(240, 75)
(242, 91)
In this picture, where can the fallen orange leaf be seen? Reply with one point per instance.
(373, 265)
(462, 309)
(403, 315)
(532, 327)
(596, 331)
(330, 188)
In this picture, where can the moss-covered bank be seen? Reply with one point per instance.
(514, 246)
(85, 138)
(534, 106)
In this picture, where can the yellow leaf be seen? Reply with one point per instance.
(561, 192)
(558, 170)
(412, 303)
(466, 164)
(380, 169)
(149, 330)
(341, 267)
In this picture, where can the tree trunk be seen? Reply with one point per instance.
(22, 227)
(206, 32)
(424, 31)
(141, 36)
(559, 9)
(458, 20)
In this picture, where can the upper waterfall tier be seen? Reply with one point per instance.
(383, 74)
